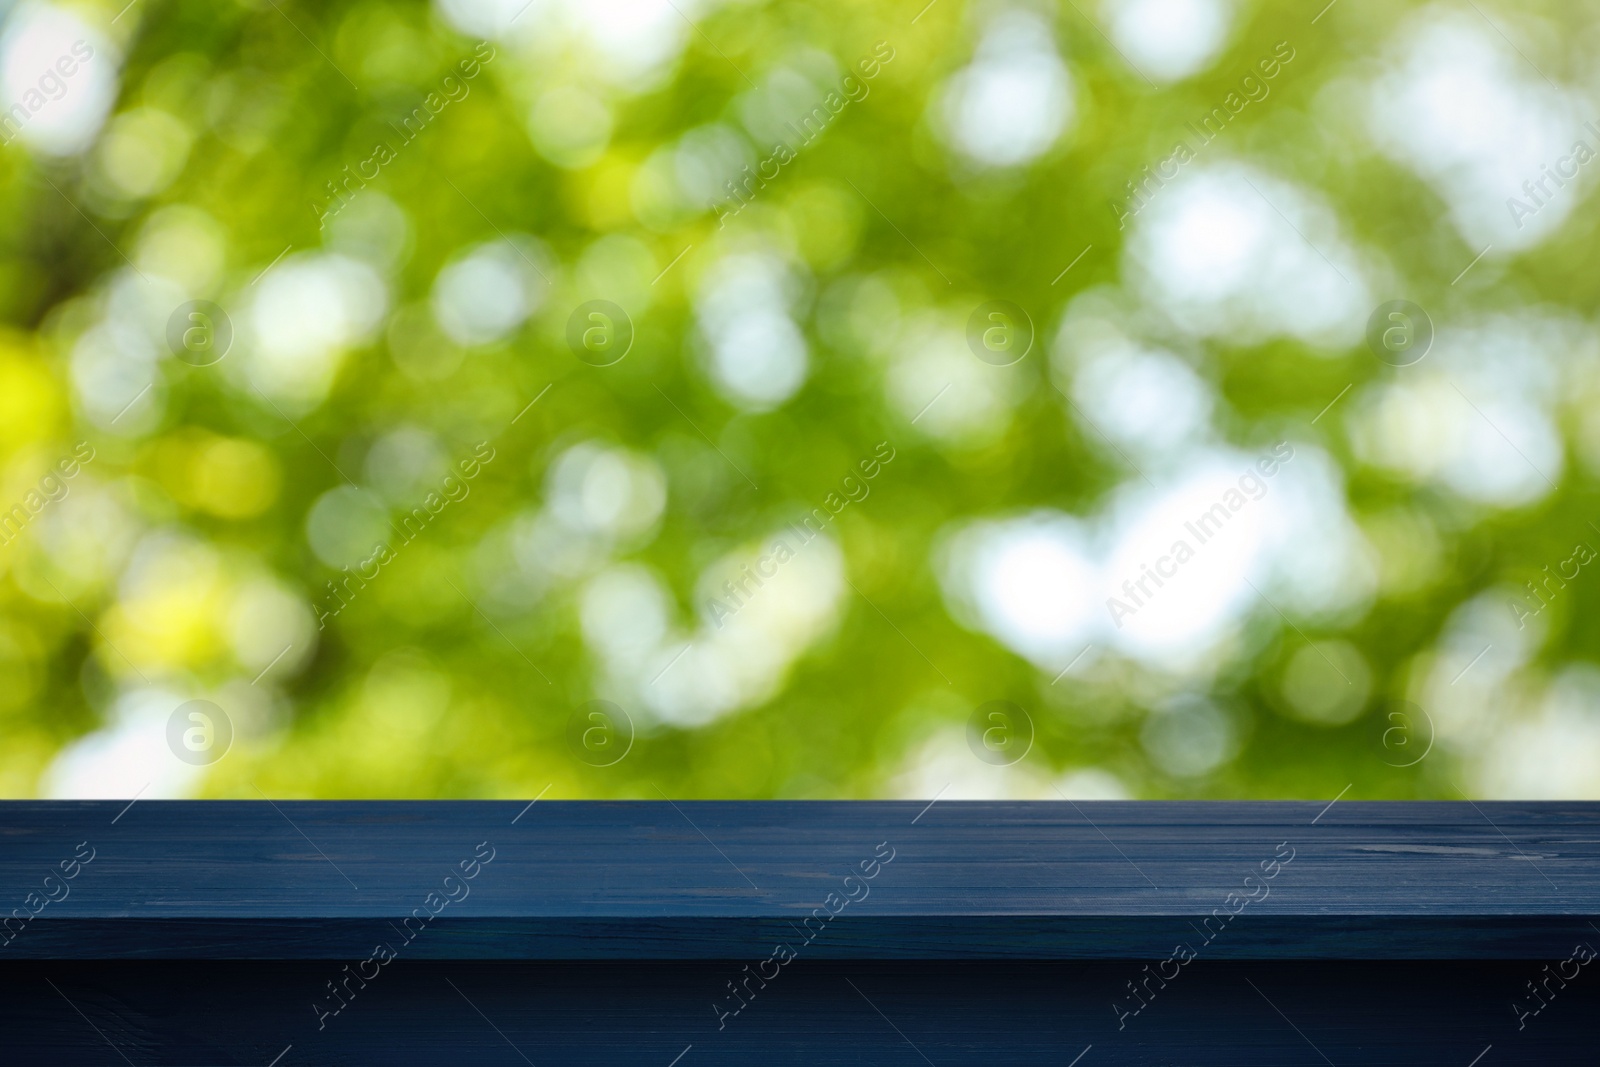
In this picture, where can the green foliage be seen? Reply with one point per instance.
(453, 673)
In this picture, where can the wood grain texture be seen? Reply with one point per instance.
(908, 1014)
(727, 880)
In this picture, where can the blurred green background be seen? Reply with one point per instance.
(394, 217)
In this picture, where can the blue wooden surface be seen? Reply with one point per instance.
(909, 1014)
(727, 880)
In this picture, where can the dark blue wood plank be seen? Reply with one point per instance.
(1283, 1014)
(699, 880)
